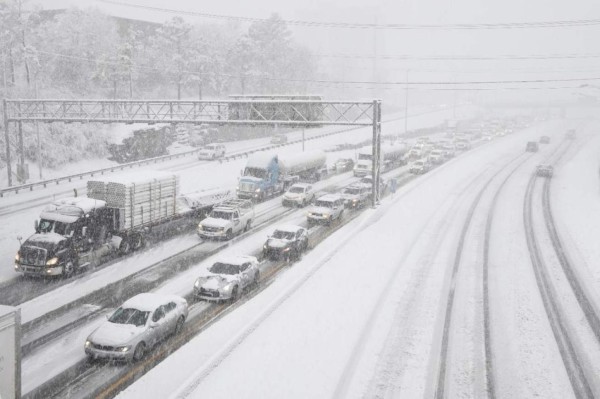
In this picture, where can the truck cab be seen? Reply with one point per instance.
(260, 178)
(67, 231)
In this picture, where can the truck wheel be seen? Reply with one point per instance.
(68, 269)
(137, 242)
(125, 246)
(229, 234)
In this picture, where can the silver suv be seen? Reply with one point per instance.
(326, 209)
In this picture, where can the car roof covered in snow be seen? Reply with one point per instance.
(301, 185)
(289, 228)
(236, 260)
(149, 301)
(329, 197)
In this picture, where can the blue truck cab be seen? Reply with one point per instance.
(260, 178)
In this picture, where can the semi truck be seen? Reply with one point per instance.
(117, 217)
(391, 154)
(267, 174)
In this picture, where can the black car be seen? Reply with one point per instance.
(532, 146)
(286, 242)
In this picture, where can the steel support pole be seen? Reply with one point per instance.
(376, 161)
(406, 107)
(7, 139)
(378, 180)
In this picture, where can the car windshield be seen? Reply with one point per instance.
(324, 204)
(352, 191)
(129, 316)
(286, 235)
(224, 268)
(47, 226)
(222, 215)
(297, 190)
(255, 172)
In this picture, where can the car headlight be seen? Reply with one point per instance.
(257, 190)
(221, 228)
(17, 257)
(200, 227)
(327, 215)
(123, 348)
(286, 249)
(228, 287)
(52, 262)
(88, 344)
(197, 284)
(265, 246)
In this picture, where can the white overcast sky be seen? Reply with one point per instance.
(498, 42)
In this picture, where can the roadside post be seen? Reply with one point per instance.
(10, 352)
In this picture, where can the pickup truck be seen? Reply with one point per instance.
(227, 219)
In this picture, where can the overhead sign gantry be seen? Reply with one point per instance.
(251, 112)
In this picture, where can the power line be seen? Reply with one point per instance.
(406, 57)
(357, 82)
(345, 25)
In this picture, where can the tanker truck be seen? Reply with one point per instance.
(267, 174)
(117, 217)
(391, 155)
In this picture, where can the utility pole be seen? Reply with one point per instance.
(406, 107)
(302, 139)
(37, 132)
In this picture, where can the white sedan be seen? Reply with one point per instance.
(136, 326)
(227, 278)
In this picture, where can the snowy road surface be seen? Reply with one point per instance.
(362, 314)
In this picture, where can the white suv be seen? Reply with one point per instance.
(300, 194)
(212, 151)
(326, 209)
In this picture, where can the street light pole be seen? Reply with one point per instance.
(406, 107)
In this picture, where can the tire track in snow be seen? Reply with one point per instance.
(440, 387)
(575, 369)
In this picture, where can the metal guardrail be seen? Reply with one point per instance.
(129, 165)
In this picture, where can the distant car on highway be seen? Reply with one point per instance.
(344, 165)
(227, 278)
(545, 170)
(419, 167)
(545, 140)
(462, 145)
(437, 156)
(356, 195)
(136, 326)
(212, 151)
(287, 242)
(279, 139)
(532, 146)
(326, 209)
(300, 194)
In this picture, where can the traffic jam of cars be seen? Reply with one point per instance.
(147, 320)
